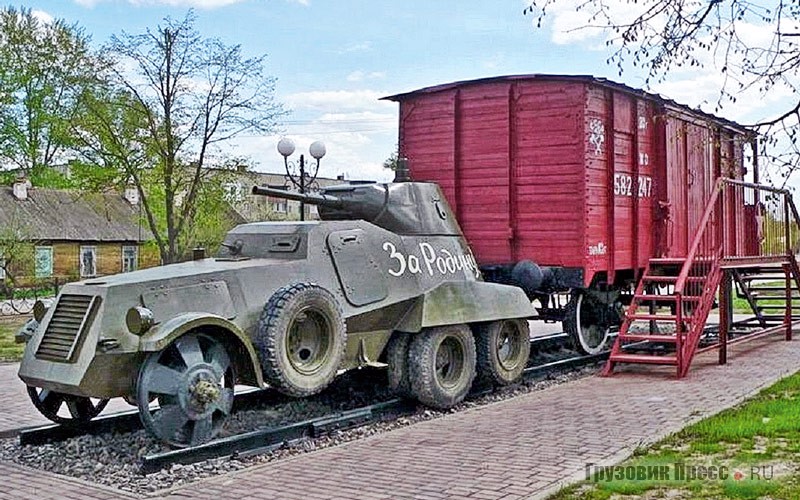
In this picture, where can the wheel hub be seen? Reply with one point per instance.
(308, 342)
(202, 391)
(449, 363)
(508, 348)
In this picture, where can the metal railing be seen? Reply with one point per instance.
(743, 224)
(766, 227)
(19, 300)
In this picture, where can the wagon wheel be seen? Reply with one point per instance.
(588, 323)
(65, 409)
(192, 380)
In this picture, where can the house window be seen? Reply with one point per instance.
(43, 262)
(130, 258)
(233, 192)
(88, 262)
(280, 206)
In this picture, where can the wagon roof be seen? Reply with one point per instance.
(742, 129)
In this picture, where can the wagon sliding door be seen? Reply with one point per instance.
(483, 158)
(620, 156)
(691, 168)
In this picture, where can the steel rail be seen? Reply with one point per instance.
(265, 440)
(128, 421)
(124, 421)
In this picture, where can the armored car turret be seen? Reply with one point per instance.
(385, 278)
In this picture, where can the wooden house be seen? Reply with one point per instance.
(49, 234)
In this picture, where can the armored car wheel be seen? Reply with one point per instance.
(65, 409)
(301, 338)
(502, 350)
(587, 325)
(192, 381)
(441, 365)
(397, 359)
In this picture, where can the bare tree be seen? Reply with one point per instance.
(177, 97)
(755, 45)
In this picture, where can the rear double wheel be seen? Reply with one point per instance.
(397, 361)
(441, 365)
(503, 348)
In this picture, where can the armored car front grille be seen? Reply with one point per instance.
(66, 327)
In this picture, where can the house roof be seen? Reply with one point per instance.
(63, 215)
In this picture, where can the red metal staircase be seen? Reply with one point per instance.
(666, 320)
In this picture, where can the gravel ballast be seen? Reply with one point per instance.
(113, 458)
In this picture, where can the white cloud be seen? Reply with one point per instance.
(42, 16)
(571, 24)
(356, 47)
(358, 76)
(359, 132)
(353, 155)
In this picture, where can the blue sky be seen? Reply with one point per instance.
(334, 59)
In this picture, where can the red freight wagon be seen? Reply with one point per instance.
(569, 183)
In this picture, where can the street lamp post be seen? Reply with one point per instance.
(303, 180)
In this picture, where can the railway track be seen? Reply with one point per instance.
(265, 440)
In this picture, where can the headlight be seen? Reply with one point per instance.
(139, 320)
(39, 310)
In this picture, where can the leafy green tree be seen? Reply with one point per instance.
(45, 70)
(175, 99)
(16, 251)
(391, 161)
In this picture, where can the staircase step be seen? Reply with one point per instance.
(671, 339)
(660, 298)
(777, 274)
(755, 264)
(756, 289)
(658, 317)
(644, 358)
(667, 298)
(774, 295)
(671, 279)
(777, 317)
(668, 260)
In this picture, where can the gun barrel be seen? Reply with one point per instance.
(310, 198)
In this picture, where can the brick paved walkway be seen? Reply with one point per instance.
(521, 448)
(21, 483)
